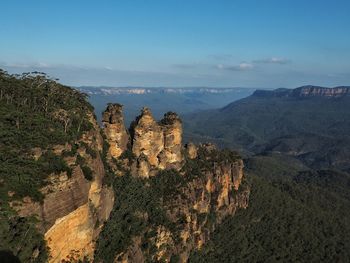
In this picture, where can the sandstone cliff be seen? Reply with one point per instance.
(313, 91)
(74, 208)
(305, 92)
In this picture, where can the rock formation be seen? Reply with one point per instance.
(156, 145)
(171, 156)
(313, 91)
(148, 137)
(191, 150)
(115, 130)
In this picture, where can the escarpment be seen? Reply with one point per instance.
(305, 92)
(75, 206)
(170, 197)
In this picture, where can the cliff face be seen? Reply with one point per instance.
(312, 91)
(305, 91)
(74, 208)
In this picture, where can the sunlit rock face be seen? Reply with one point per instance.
(115, 130)
(312, 91)
(171, 156)
(148, 137)
(156, 145)
(191, 150)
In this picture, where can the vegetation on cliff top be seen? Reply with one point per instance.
(36, 112)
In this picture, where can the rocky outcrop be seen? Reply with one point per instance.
(115, 130)
(313, 91)
(191, 150)
(156, 145)
(62, 196)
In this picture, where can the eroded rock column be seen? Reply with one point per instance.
(148, 138)
(115, 130)
(171, 156)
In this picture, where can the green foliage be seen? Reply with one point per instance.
(25, 176)
(128, 154)
(52, 163)
(167, 184)
(20, 235)
(88, 174)
(134, 199)
(89, 150)
(36, 112)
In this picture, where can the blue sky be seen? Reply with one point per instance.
(270, 43)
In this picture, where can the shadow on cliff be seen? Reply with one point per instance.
(7, 256)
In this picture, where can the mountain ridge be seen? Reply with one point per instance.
(305, 91)
(308, 122)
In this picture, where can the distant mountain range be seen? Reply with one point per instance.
(305, 91)
(160, 100)
(142, 91)
(311, 123)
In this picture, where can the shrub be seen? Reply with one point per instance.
(88, 174)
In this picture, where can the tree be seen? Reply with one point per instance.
(63, 116)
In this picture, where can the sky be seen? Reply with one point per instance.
(155, 43)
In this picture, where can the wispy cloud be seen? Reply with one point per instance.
(39, 65)
(273, 60)
(244, 66)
